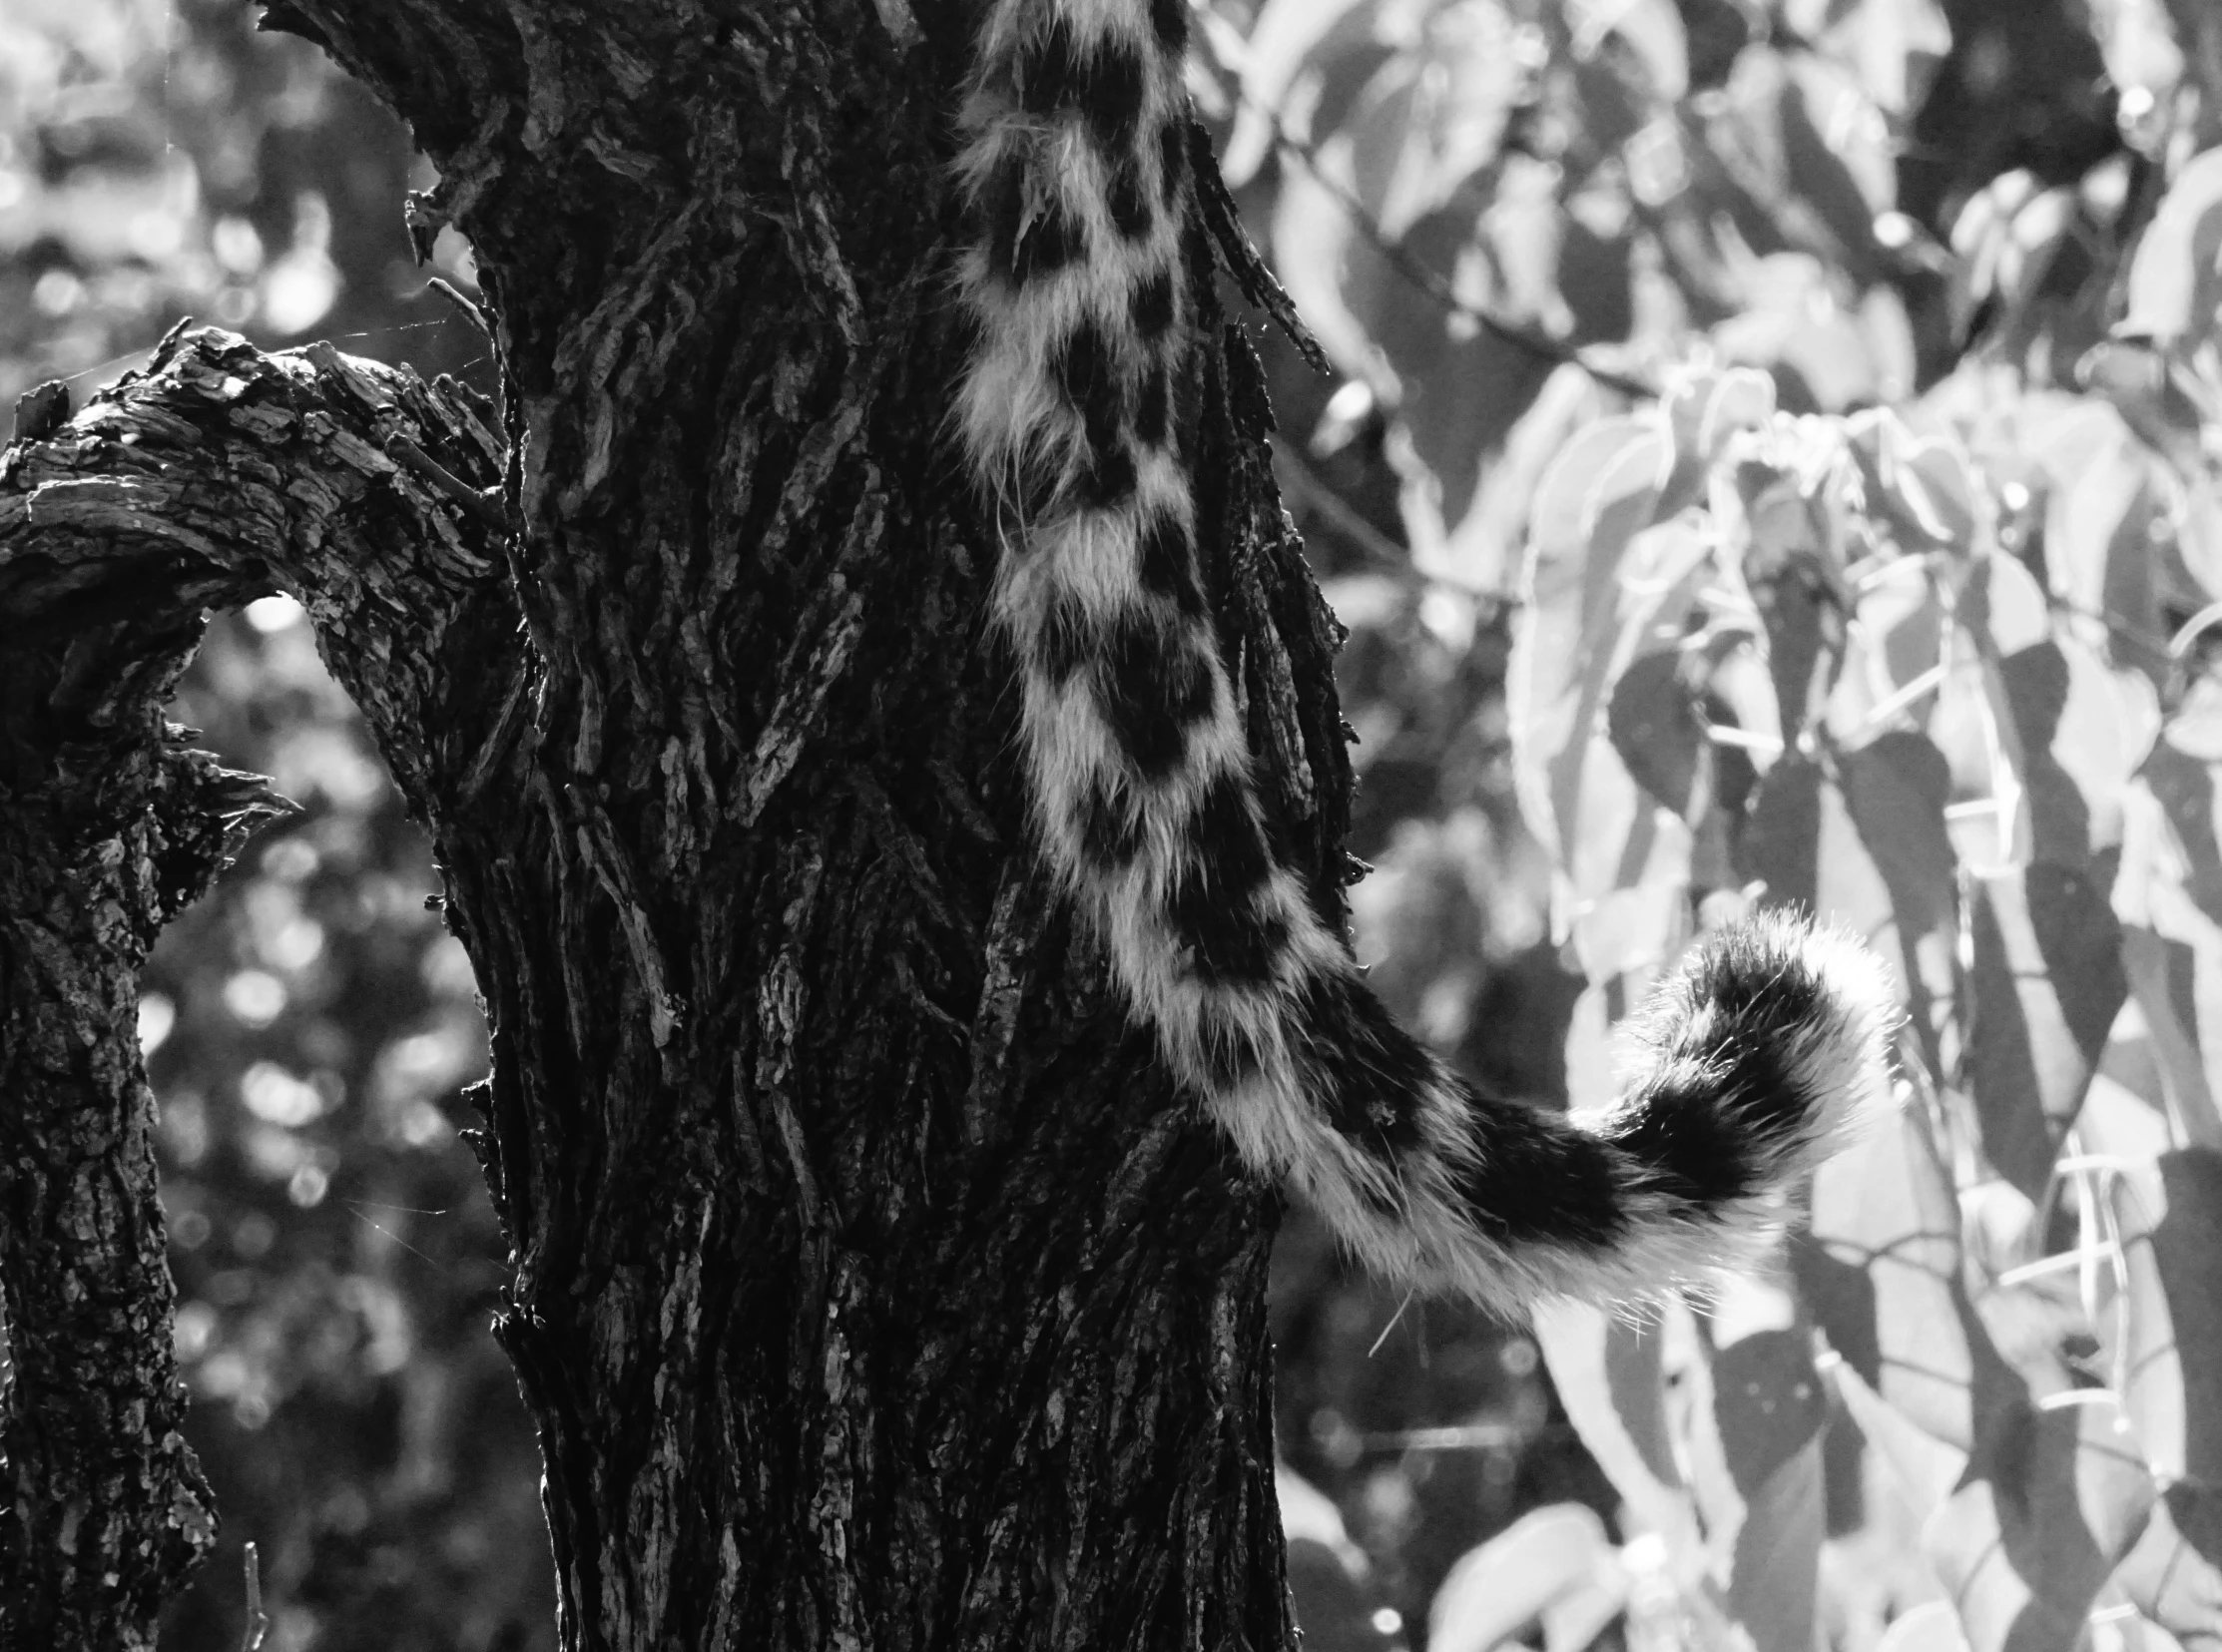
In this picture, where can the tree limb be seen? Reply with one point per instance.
(216, 476)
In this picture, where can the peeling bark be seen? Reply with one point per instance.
(871, 1283)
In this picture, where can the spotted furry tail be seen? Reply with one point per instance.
(1765, 1046)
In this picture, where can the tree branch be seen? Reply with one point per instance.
(214, 476)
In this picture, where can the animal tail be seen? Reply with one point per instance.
(1762, 1051)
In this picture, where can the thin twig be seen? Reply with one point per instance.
(465, 304)
(1308, 487)
(257, 1620)
(481, 506)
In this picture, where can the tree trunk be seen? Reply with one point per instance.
(872, 1284)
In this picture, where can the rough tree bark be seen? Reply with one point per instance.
(870, 1282)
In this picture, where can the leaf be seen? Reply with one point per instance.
(1463, 392)
(1896, 790)
(1709, 410)
(2166, 1340)
(2009, 238)
(1768, 1404)
(1386, 145)
(1871, 853)
(2184, 785)
(1597, 496)
(1809, 147)
(1492, 1592)
(1774, 1575)
(1332, 273)
(1754, 1447)
(2140, 52)
(1286, 36)
(2166, 894)
(2172, 1574)
(1926, 1466)
(1659, 734)
(1892, 649)
(2164, 974)
(2029, 1505)
(2046, 985)
(1880, 1268)
(1609, 1376)
(1787, 527)
(2175, 276)
(1328, 1576)
(1893, 46)
(1480, 552)
(2084, 728)
(2100, 506)
(2156, 395)
(1446, 118)
(2053, 1498)
(1653, 32)
(1335, 1611)
(1791, 322)
(1920, 486)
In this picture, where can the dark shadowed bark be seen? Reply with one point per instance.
(872, 1284)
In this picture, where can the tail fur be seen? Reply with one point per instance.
(1759, 1056)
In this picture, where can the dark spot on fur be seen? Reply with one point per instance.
(1048, 70)
(1111, 94)
(1152, 305)
(1171, 159)
(1105, 83)
(1228, 1057)
(1048, 244)
(1170, 19)
(1213, 904)
(1109, 478)
(1155, 685)
(1153, 408)
(1110, 828)
(1535, 1178)
(1090, 380)
(1692, 1146)
(1188, 409)
(1372, 1073)
(1091, 383)
(1038, 484)
(1130, 207)
(1236, 942)
(1004, 201)
(1061, 646)
(1168, 563)
(1224, 840)
(1765, 997)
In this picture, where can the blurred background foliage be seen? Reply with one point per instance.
(1466, 198)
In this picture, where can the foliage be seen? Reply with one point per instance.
(1867, 562)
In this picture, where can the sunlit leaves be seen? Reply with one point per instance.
(2046, 982)
(1471, 192)
(1943, 750)
(1943, 671)
(2055, 1497)
(2175, 282)
(1556, 1565)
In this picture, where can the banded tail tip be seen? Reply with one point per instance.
(1805, 1010)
